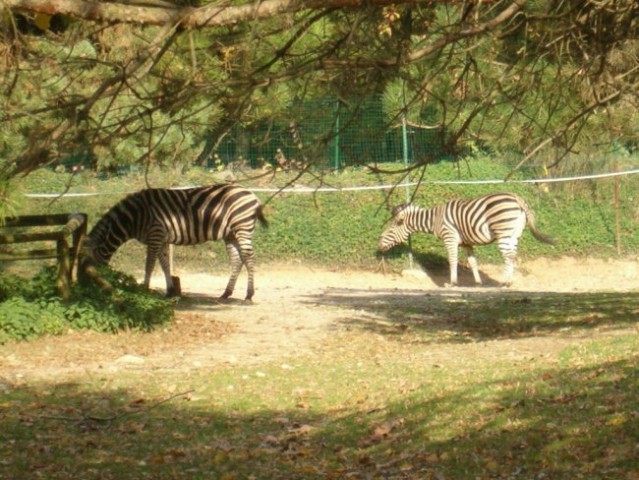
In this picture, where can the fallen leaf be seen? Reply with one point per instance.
(383, 430)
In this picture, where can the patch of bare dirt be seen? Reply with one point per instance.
(290, 318)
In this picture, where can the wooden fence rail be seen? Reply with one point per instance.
(68, 241)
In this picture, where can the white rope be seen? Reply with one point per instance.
(374, 187)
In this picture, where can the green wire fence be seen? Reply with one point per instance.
(331, 134)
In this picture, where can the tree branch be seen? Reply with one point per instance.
(567, 126)
(208, 16)
(437, 45)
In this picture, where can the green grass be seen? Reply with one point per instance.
(32, 307)
(366, 403)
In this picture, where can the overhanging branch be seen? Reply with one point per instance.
(203, 17)
(567, 127)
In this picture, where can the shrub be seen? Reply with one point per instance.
(30, 308)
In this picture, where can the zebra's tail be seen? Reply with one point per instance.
(530, 220)
(260, 216)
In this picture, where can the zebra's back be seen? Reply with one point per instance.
(211, 213)
(481, 220)
(201, 214)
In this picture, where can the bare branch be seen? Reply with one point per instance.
(567, 127)
(89, 418)
(209, 16)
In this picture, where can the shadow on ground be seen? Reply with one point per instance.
(571, 423)
(464, 315)
(436, 268)
(203, 302)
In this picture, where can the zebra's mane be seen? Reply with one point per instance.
(397, 209)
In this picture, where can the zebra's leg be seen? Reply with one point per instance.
(151, 257)
(248, 259)
(152, 254)
(472, 262)
(165, 258)
(508, 248)
(233, 250)
(453, 260)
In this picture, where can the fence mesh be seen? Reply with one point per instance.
(330, 134)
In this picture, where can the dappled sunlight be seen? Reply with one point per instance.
(482, 313)
(337, 375)
(287, 421)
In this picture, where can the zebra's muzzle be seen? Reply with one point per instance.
(383, 246)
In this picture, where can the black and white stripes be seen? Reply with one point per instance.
(159, 218)
(499, 217)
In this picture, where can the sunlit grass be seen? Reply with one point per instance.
(361, 406)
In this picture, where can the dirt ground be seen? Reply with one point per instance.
(290, 316)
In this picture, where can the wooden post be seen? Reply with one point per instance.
(64, 269)
(89, 272)
(177, 287)
(77, 224)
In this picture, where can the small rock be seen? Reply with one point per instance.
(131, 359)
(414, 273)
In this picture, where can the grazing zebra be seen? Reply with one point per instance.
(499, 217)
(159, 218)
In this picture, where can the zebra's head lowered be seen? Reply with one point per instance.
(104, 239)
(399, 229)
(89, 254)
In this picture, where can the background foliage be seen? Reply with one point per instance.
(341, 228)
(118, 89)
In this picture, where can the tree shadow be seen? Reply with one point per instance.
(436, 268)
(460, 315)
(194, 301)
(565, 423)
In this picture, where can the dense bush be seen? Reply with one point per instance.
(30, 308)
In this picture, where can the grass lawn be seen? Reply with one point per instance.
(549, 391)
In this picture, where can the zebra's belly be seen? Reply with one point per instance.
(187, 241)
(177, 236)
(182, 241)
(478, 238)
(483, 235)
(476, 242)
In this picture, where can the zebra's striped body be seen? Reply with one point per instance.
(159, 218)
(499, 217)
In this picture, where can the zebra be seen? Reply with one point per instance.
(159, 218)
(499, 217)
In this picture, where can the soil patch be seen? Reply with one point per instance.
(289, 318)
